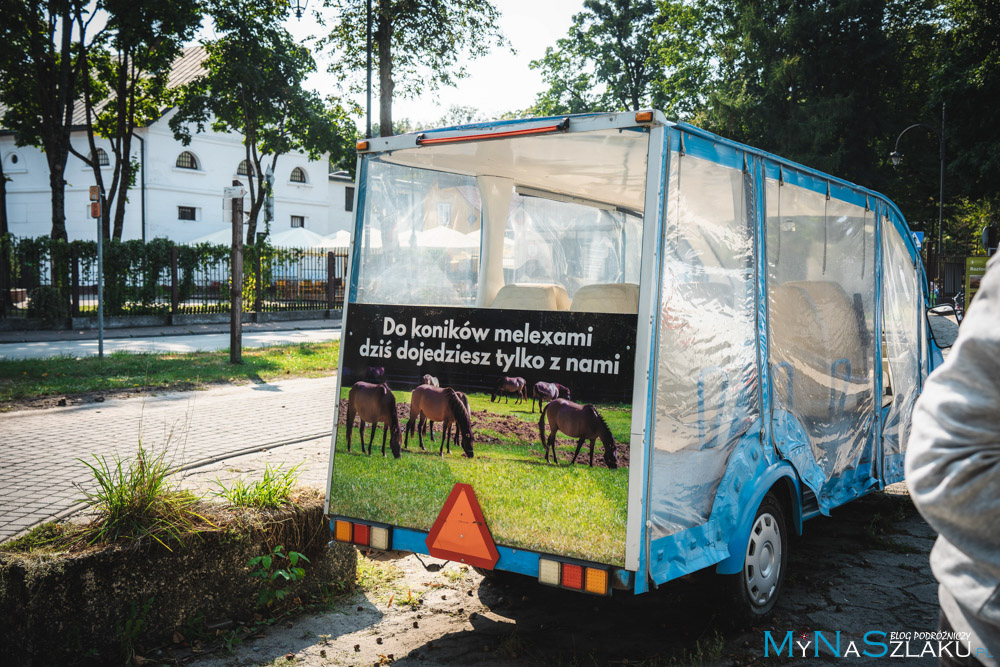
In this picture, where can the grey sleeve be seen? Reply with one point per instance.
(953, 454)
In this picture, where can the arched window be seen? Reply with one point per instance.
(186, 160)
(102, 158)
(298, 175)
(243, 169)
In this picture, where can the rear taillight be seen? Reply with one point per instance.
(574, 576)
(361, 534)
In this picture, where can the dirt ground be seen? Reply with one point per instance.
(865, 568)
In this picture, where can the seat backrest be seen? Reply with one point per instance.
(607, 298)
(814, 327)
(532, 296)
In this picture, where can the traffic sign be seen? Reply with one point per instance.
(460, 532)
(918, 238)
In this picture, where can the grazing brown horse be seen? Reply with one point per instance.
(373, 403)
(547, 391)
(433, 382)
(440, 404)
(507, 387)
(577, 421)
(447, 431)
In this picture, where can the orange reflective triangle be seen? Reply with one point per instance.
(460, 532)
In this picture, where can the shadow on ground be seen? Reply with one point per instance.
(865, 568)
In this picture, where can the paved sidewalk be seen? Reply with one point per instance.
(184, 343)
(188, 338)
(38, 466)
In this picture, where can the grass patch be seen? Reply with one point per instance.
(574, 510)
(134, 499)
(39, 538)
(123, 371)
(270, 492)
(377, 577)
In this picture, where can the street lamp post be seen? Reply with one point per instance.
(897, 158)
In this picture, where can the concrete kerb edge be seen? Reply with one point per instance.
(70, 511)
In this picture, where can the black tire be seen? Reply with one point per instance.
(756, 588)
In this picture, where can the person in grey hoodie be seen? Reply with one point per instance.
(953, 473)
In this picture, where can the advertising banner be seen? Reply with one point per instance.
(531, 408)
(975, 269)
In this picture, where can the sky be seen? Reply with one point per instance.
(498, 82)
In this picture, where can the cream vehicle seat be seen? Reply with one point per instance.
(607, 298)
(532, 296)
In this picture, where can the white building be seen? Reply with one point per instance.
(178, 191)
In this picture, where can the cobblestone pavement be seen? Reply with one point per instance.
(40, 448)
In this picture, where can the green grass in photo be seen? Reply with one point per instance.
(33, 378)
(573, 510)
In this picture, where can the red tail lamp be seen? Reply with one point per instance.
(561, 126)
(572, 576)
(362, 534)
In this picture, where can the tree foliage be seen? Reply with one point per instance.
(125, 86)
(829, 83)
(603, 63)
(418, 45)
(39, 71)
(253, 85)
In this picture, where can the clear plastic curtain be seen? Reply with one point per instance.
(706, 384)
(821, 311)
(899, 306)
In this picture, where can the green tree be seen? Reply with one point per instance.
(418, 45)
(967, 77)
(38, 83)
(603, 63)
(254, 85)
(126, 86)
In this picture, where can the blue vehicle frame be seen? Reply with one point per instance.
(771, 455)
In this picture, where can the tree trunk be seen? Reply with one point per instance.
(57, 184)
(256, 200)
(3, 202)
(383, 35)
(123, 185)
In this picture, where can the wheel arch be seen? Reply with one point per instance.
(782, 480)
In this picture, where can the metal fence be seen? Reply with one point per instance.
(162, 278)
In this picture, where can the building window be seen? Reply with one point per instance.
(298, 221)
(186, 160)
(12, 163)
(298, 175)
(102, 158)
(243, 169)
(349, 199)
(187, 213)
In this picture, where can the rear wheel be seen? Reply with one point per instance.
(757, 587)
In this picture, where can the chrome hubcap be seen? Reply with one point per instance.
(762, 565)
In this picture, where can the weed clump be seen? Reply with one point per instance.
(270, 492)
(134, 499)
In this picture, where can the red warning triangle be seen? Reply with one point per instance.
(460, 533)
